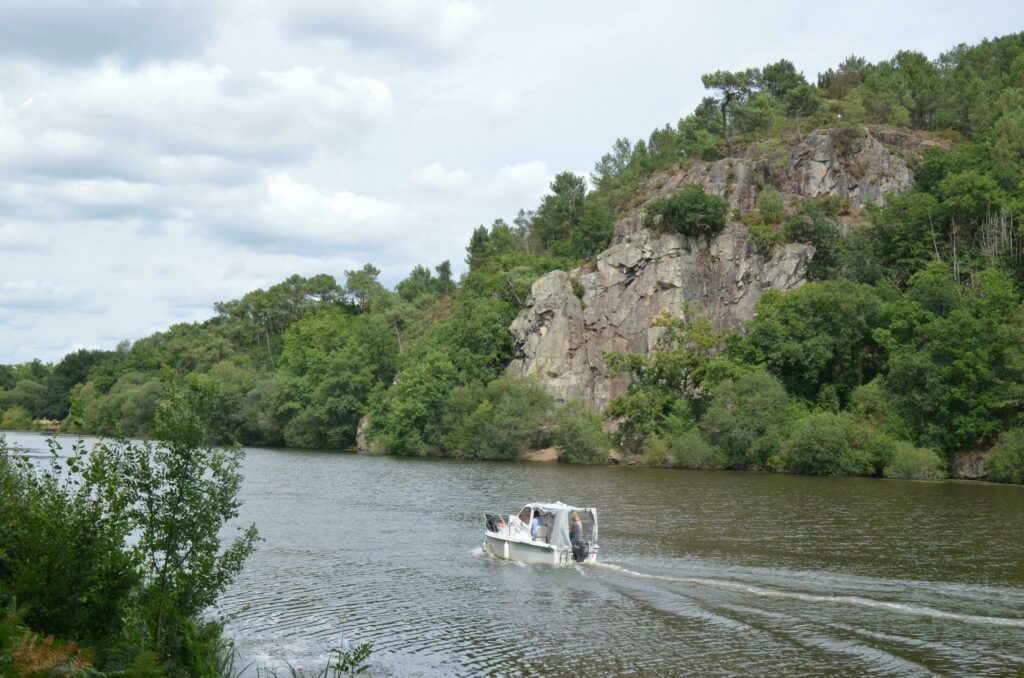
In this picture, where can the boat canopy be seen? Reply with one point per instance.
(560, 528)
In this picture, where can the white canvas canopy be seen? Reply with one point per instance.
(560, 521)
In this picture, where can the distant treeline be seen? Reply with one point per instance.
(904, 352)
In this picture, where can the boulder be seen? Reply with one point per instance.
(970, 466)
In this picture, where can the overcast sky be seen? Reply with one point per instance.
(156, 157)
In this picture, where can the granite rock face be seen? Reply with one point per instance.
(860, 167)
(572, 319)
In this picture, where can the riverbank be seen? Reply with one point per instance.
(968, 468)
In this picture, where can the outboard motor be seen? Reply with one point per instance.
(580, 551)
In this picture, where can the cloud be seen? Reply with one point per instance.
(182, 115)
(292, 216)
(38, 296)
(19, 239)
(73, 31)
(437, 176)
(403, 25)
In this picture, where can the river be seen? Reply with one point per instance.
(703, 573)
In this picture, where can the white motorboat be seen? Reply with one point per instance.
(548, 534)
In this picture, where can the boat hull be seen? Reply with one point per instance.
(504, 548)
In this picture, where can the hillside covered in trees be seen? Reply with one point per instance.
(902, 356)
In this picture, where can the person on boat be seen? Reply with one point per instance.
(536, 524)
(575, 528)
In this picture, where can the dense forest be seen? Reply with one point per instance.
(904, 352)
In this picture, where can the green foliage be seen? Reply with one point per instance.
(119, 545)
(1006, 464)
(688, 449)
(817, 335)
(812, 225)
(955, 368)
(914, 463)
(406, 419)
(16, 418)
(579, 435)
(771, 206)
(836, 444)
(337, 362)
(63, 556)
(498, 421)
(745, 417)
(663, 380)
(691, 212)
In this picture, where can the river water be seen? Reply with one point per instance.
(703, 573)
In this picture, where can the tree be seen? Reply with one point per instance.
(579, 435)
(779, 78)
(801, 101)
(956, 367)
(179, 495)
(560, 211)
(663, 381)
(819, 335)
(73, 369)
(497, 421)
(836, 444)
(732, 88)
(745, 417)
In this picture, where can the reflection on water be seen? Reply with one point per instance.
(704, 573)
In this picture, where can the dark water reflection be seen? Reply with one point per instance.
(704, 573)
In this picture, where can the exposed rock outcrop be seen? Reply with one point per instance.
(562, 335)
(844, 163)
(571, 320)
(970, 466)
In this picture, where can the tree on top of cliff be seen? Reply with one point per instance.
(732, 87)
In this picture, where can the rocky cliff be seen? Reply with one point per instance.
(572, 319)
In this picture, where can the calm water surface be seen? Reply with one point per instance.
(704, 573)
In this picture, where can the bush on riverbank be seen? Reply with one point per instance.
(914, 463)
(16, 419)
(68, 568)
(579, 435)
(745, 419)
(497, 421)
(1006, 465)
(835, 445)
(689, 449)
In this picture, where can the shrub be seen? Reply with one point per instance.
(766, 238)
(580, 436)
(658, 451)
(771, 206)
(914, 463)
(691, 212)
(1006, 465)
(835, 444)
(497, 421)
(812, 226)
(744, 418)
(692, 450)
(16, 419)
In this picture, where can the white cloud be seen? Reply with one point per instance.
(381, 24)
(437, 176)
(20, 239)
(38, 295)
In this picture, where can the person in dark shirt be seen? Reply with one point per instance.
(575, 528)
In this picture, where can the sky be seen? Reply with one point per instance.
(156, 157)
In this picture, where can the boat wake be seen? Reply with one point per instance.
(858, 601)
